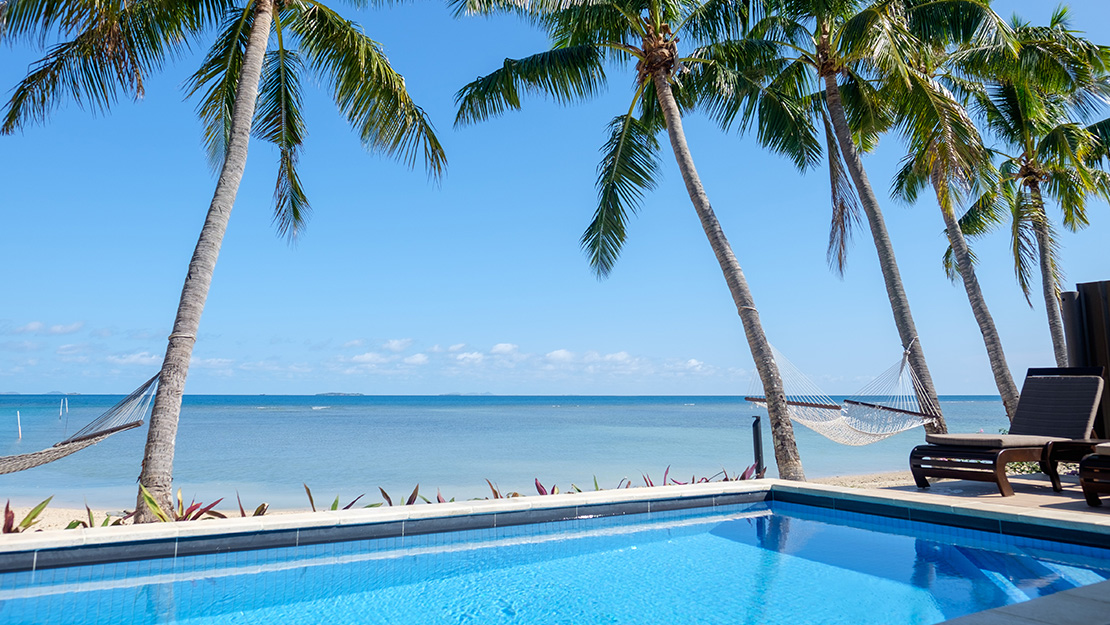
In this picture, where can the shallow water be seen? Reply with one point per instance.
(265, 447)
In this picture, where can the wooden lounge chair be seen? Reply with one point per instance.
(1056, 405)
(1094, 474)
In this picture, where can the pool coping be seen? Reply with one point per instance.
(62, 548)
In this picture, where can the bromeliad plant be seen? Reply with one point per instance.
(91, 522)
(193, 512)
(11, 527)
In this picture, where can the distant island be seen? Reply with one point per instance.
(339, 395)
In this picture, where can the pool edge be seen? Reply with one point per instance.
(61, 548)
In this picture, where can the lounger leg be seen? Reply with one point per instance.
(1000, 478)
(1091, 497)
(1050, 469)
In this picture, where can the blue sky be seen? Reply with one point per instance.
(476, 284)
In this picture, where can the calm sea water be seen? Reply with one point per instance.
(265, 447)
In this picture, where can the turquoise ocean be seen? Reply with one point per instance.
(265, 447)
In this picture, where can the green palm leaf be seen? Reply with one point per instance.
(629, 168)
(110, 48)
(278, 120)
(564, 74)
(367, 90)
(218, 79)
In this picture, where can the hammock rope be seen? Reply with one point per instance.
(125, 415)
(888, 405)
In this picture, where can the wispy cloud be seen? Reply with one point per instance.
(397, 345)
(354, 343)
(560, 355)
(456, 347)
(40, 328)
(504, 349)
(20, 346)
(416, 359)
(371, 358)
(470, 358)
(139, 358)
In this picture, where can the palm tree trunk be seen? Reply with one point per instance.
(899, 303)
(157, 472)
(1002, 377)
(1049, 288)
(782, 430)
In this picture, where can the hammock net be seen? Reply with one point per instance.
(888, 405)
(127, 414)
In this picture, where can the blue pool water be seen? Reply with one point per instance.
(753, 564)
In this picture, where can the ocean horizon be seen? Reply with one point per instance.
(265, 447)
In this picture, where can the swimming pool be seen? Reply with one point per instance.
(766, 562)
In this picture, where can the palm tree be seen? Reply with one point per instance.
(247, 87)
(585, 36)
(947, 153)
(1033, 106)
(847, 53)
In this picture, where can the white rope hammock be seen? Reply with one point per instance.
(888, 405)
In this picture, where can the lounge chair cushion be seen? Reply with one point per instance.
(991, 441)
(1103, 449)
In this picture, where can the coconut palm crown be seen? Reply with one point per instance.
(586, 37)
(852, 63)
(1036, 105)
(247, 86)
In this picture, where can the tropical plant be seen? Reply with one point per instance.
(335, 504)
(584, 37)
(241, 82)
(1035, 105)
(259, 511)
(91, 521)
(32, 517)
(842, 57)
(193, 512)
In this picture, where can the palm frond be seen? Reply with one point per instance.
(845, 203)
(278, 120)
(218, 80)
(367, 90)
(629, 167)
(564, 74)
(714, 20)
(109, 49)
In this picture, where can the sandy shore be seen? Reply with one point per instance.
(59, 518)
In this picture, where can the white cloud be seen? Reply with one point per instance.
(397, 345)
(695, 365)
(274, 367)
(560, 355)
(38, 327)
(72, 349)
(620, 357)
(20, 346)
(416, 359)
(435, 349)
(470, 357)
(371, 358)
(456, 347)
(139, 358)
(504, 349)
(211, 363)
(354, 343)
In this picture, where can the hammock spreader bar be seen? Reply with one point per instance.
(125, 415)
